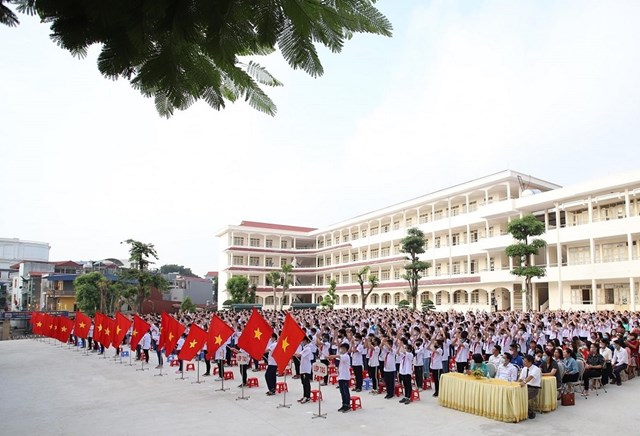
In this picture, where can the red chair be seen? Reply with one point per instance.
(333, 379)
(287, 371)
(398, 390)
(332, 369)
(262, 366)
(252, 382)
(316, 395)
(175, 363)
(415, 395)
(282, 387)
(355, 402)
(234, 362)
(318, 378)
(381, 387)
(426, 384)
(191, 367)
(228, 375)
(215, 370)
(365, 374)
(352, 382)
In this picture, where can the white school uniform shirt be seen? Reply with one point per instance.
(418, 359)
(374, 356)
(620, 357)
(406, 363)
(496, 360)
(462, 352)
(436, 363)
(356, 356)
(445, 349)
(343, 368)
(270, 347)
(146, 341)
(388, 359)
(325, 350)
(305, 359)
(221, 352)
(180, 343)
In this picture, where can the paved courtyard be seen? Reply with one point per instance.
(48, 389)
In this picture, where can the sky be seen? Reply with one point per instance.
(462, 90)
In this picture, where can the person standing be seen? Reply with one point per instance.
(389, 368)
(436, 364)
(531, 377)
(357, 349)
(418, 362)
(155, 343)
(178, 348)
(324, 346)
(344, 375)
(243, 367)
(146, 345)
(305, 356)
(270, 376)
(406, 368)
(373, 351)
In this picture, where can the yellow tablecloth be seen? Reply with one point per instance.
(491, 398)
(547, 399)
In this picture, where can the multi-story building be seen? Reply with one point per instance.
(12, 286)
(592, 257)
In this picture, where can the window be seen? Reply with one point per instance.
(455, 239)
(437, 215)
(396, 298)
(409, 222)
(475, 297)
(268, 261)
(364, 233)
(396, 249)
(473, 267)
(337, 259)
(455, 268)
(473, 236)
(424, 218)
(473, 205)
(320, 262)
(384, 252)
(396, 274)
(363, 255)
(384, 275)
(283, 244)
(345, 278)
(455, 210)
(238, 260)
(253, 280)
(579, 255)
(581, 294)
(438, 269)
(437, 242)
(386, 298)
(328, 261)
(491, 264)
(354, 236)
(283, 261)
(374, 231)
(396, 225)
(254, 261)
(373, 274)
(614, 252)
(374, 253)
(238, 240)
(491, 232)
(345, 258)
(345, 238)
(385, 228)
(329, 242)
(268, 243)
(254, 242)
(354, 257)
(320, 244)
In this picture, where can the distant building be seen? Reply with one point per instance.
(13, 251)
(197, 289)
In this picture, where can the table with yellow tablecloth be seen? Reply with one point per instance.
(491, 398)
(547, 399)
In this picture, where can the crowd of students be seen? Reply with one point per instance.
(404, 346)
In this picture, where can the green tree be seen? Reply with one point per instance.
(363, 277)
(523, 230)
(182, 51)
(428, 306)
(88, 292)
(238, 289)
(187, 305)
(274, 279)
(403, 304)
(214, 290)
(330, 299)
(253, 290)
(140, 254)
(413, 244)
(174, 268)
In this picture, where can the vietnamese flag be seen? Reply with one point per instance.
(140, 327)
(65, 325)
(36, 321)
(99, 327)
(108, 331)
(255, 336)
(290, 338)
(48, 324)
(218, 333)
(122, 326)
(193, 343)
(171, 332)
(81, 326)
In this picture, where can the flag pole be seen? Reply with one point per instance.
(319, 414)
(130, 364)
(198, 375)
(284, 398)
(182, 374)
(142, 368)
(242, 375)
(222, 389)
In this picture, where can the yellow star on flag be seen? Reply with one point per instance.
(257, 334)
(118, 330)
(107, 331)
(218, 340)
(134, 333)
(285, 344)
(50, 326)
(193, 344)
(171, 336)
(100, 327)
(82, 325)
(39, 324)
(64, 329)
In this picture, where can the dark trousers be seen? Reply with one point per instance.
(606, 373)
(229, 355)
(461, 366)
(617, 370)
(588, 373)
(296, 365)
(357, 373)
(435, 375)
(389, 382)
(344, 392)
(180, 368)
(568, 378)
(207, 362)
(243, 373)
(532, 392)
(146, 355)
(306, 385)
(419, 372)
(373, 375)
(326, 377)
(270, 377)
(220, 368)
(406, 384)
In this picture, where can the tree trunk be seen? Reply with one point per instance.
(364, 299)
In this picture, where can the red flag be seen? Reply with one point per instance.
(217, 335)
(290, 338)
(122, 326)
(64, 329)
(48, 325)
(255, 336)
(99, 327)
(109, 330)
(81, 326)
(37, 321)
(171, 332)
(140, 327)
(193, 343)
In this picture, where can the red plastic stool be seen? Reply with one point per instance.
(316, 395)
(262, 366)
(234, 362)
(332, 369)
(175, 363)
(333, 379)
(352, 382)
(281, 387)
(355, 402)
(426, 384)
(351, 370)
(228, 375)
(252, 382)
(365, 374)
(381, 387)
(415, 395)
(287, 371)
(398, 390)
(191, 367)
(318, 378)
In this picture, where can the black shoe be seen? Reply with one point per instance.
(341, 409)
(618, 383)
(532, 415)
(346, 409)
(388, 397)
(435, 395)
(404, 400)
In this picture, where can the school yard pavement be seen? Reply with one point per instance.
(48, 389)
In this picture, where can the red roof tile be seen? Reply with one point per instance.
(276, 226)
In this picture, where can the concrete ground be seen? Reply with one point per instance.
(47, 389)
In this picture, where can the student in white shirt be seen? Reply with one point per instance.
(344, 375)
(179, 345)
(373, 352)
(620, 360)
(357, 350)
(270, 376)
(507, 371)
(436, 364)
(406, 368)
(418, 361)
(531, 377)
(305, 356)
(606, 353)
(146, 344)
(389, 367)
(496, 358)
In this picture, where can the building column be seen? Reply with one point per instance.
(632, 297)
(594, 293)
(512, 297)
(559, 256)
(535, 300)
